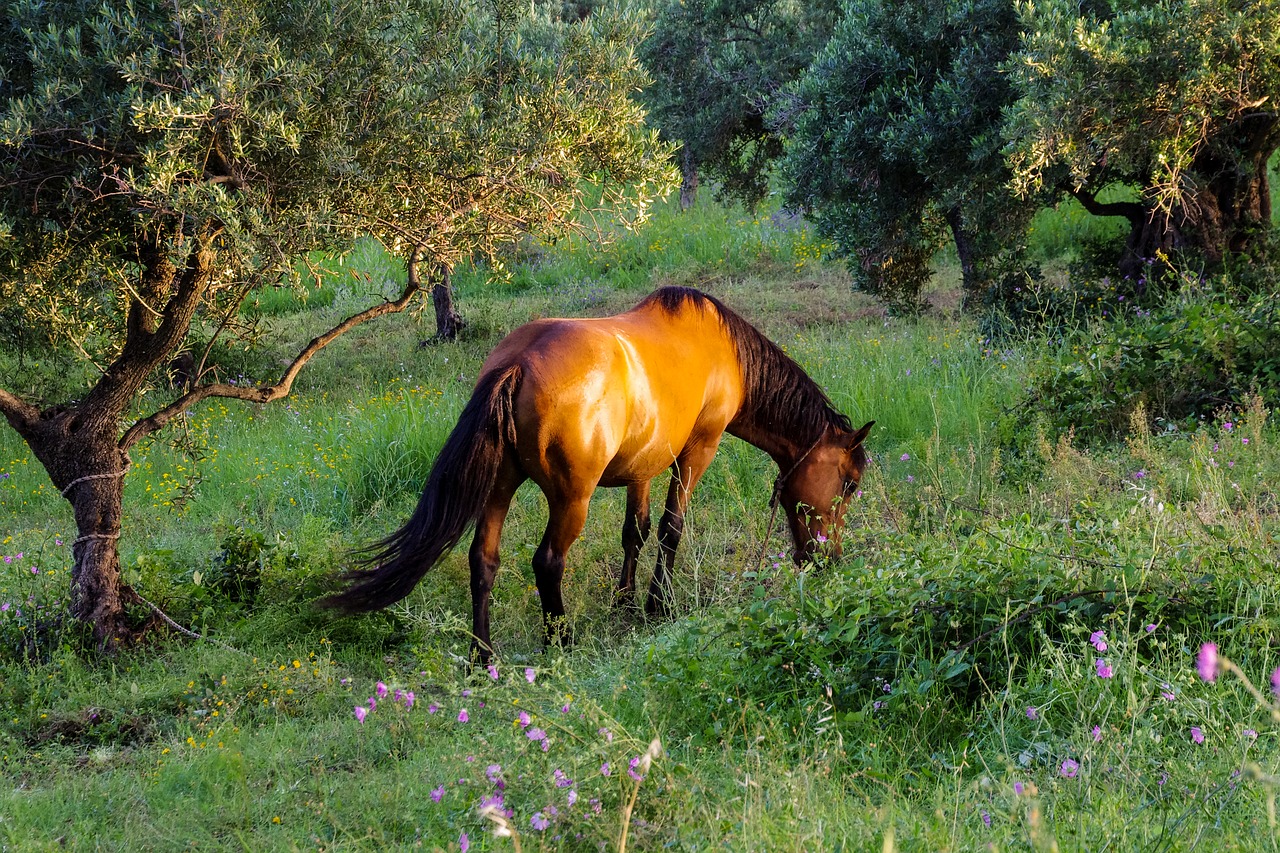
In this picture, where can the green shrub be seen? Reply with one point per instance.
(1180, 363)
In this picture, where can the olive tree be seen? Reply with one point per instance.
(160, 160)
(1180, 99)
(897, 147)
(720, 68)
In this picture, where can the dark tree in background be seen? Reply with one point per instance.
(1179, 99)
(898, 146)
(907, 126)
(720, 68)
(159, 161)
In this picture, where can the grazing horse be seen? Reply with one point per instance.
(613, 401)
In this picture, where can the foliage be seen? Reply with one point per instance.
(269, 131)
(1176, 98)
(719, 69)
(1177, 363)
(898, 142)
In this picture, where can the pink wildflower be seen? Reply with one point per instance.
(380, 689)
(1275, 681)
(463, 716)
(1207, 662)
(1099, 640)
(539, 821)
(1104, 668)
(361, 713)
(529, 674)
(493, 672)
(523, 719)
(1097, 734)
(1032, 713)
(437, 794)
(1196, 735)
(1069, 768)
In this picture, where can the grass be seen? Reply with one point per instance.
(938, 687)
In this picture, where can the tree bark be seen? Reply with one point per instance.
(1232, 202)
(84, 462)
(688, 178)
(449, 322)
(1225, 205)
(972, 281)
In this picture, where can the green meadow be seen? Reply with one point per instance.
(1004, 658)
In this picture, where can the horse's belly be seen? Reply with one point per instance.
(631, 467)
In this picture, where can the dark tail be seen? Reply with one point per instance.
(457, 489)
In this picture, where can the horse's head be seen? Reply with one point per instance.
(816, 491)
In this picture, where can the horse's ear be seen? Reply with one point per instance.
(860, 436)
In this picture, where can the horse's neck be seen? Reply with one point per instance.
(773, 438)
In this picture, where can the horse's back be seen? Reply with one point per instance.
(613, 400)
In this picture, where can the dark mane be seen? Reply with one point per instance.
(779, 394)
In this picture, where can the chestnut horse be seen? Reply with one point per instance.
(576, 404)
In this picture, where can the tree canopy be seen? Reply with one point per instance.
(898, 143)
(1179, 99)
(720, 68)
(161, 160)
(899, 124)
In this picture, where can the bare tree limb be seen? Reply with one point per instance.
(1131, 210)
(281, 388)
(21, 415)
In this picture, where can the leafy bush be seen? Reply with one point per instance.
(1179, 362)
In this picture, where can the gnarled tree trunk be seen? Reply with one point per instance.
(449, 322)
(79, 450)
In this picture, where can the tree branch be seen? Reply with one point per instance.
(280, 389)
(1131, 210)
(21, 415)
(144, 349)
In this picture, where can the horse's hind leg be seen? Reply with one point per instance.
(484, 556)
(567, 517)
(688, 470)
(635, 529)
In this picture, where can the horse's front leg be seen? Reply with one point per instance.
(687, 471)
(567, 518)
(635, 530)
